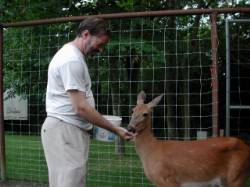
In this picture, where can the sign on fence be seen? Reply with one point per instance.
(15, 107)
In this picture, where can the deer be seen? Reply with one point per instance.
(174, 163)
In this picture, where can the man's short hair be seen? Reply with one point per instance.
(95, 26)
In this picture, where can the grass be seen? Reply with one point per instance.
(25, 162)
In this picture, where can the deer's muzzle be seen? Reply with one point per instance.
(131, 129)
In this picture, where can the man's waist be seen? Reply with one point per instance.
(72, 120)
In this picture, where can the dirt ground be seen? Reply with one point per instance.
(21, 184)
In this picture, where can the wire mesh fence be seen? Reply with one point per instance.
(170, 55)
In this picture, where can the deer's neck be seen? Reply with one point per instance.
(145, 140)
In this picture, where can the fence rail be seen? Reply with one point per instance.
(130, 15)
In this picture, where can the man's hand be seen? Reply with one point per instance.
(124, 134)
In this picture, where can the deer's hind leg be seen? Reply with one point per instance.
(216, 182)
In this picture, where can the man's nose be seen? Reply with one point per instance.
(100, 49)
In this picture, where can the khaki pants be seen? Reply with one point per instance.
(66, 149)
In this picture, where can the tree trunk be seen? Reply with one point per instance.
(171, 73)
(185, 99)
(114, 76)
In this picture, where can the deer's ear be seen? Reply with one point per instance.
(155, 101)
(141, 97)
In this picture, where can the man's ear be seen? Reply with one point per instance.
(85, 34)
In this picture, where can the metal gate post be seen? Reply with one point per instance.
(227, 80)
(2, 135)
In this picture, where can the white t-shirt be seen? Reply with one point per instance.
(68, 71)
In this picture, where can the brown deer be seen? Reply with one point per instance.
(169, 163)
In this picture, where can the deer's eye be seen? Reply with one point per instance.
(145, 114)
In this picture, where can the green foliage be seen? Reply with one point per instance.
(138, 48)
(125, 4)
(131, 45)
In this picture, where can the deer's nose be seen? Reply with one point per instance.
(131, 129)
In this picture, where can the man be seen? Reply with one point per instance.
(71, 109)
